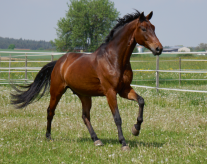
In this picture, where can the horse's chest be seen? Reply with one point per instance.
(125, 79)
(127, 76)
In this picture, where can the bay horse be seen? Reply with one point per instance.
(106, 72)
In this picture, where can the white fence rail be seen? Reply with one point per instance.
(27, 69)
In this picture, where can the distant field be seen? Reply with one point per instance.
(15, 55)
(168, 79)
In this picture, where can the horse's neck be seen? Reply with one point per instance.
(122, 46)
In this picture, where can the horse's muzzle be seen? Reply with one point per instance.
(157, 50)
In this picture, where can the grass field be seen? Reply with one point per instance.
(174, 130)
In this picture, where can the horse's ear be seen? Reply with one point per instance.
(149, 16)
(142, 17)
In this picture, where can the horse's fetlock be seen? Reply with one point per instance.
(121, 139)
(94, 137)
(139, 120)
(48, 135)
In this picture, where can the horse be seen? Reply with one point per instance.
(106, 72)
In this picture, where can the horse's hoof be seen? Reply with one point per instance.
(48, 136)
(98, 143)
(125, 148)
(135, 132)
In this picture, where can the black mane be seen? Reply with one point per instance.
(121, 22)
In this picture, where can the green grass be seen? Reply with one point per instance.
(174, 130)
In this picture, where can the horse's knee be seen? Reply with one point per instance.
(141, 101)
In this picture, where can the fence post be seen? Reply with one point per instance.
(157, 73)
(180, 70)
(51, 58)
(9, 66)
(25, 68)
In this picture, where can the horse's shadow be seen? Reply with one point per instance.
(107, 141)
(131, 143)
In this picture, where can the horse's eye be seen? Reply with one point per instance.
(144, 29)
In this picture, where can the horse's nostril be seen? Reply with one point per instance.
(157, 49)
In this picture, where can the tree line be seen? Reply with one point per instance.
(25, 44)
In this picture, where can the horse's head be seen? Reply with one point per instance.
(145, 34)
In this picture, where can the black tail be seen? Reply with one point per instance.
(42, 81)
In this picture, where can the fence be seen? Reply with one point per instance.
(51, 55)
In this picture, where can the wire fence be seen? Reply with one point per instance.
(22, 57)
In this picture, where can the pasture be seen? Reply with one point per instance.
(174, 128)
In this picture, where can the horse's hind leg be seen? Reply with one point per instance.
(56, 92)
(130, 94)
(86, 107)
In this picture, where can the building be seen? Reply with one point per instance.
(140, 48)
(171, 49)
(184, 49)
(176, 49)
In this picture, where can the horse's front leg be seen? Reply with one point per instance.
(130, 94)
(112, 101)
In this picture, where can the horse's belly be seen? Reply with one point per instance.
(85, 85)
(92, 90)
(83, 80)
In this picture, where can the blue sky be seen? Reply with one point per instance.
(177, 22)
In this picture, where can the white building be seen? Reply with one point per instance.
(140, 49)
(184, 49)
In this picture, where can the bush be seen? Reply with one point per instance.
(11, 46)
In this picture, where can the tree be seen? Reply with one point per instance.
(85, 20)
(11, 46)
(201, 47)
